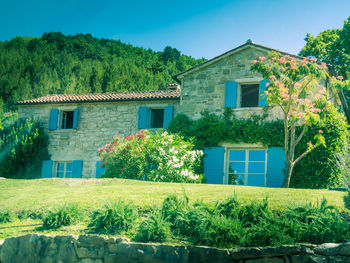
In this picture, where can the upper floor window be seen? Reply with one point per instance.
(156, 118)
(249, 95)
(245, 94)
(67, 119)
(63, 119)
(153, 118)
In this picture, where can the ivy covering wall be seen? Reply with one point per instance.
(316, 170)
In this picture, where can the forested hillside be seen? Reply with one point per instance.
(54, 63)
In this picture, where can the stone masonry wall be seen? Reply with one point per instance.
(205, 89)
(97, 124)
(33, 248)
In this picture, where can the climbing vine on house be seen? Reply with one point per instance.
(211, 130)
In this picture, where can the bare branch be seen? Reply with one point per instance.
(300, 136)
(304, 154)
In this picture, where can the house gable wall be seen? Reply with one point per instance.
(204, 89)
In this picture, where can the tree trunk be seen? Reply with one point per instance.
(287, 174)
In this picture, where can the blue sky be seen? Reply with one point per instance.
(198, 28)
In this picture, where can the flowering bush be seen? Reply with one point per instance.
(151, 156)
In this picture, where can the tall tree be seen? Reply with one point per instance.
(295, 87)
(332, 47)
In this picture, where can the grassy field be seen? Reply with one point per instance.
(42, 194)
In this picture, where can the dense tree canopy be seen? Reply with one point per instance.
(331, 46)
(55, 63)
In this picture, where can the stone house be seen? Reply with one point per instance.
(77, 125)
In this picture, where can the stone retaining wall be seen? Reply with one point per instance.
(33, 248)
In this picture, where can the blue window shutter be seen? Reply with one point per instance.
(75, 118)
(276, 163)
(77, 168)
(46, 170)
(231, 88)
(214, 164)
(99, 170)
(341, 108)
(168, 115)
(142, 123)
(53, 119)
(262, 95)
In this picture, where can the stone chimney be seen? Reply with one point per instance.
(173, 87)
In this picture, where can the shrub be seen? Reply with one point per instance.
(6, 216)
(173, 206)
(188, 222)
(327, 174)
(151, 156)
(114, 218)
(319, 223)
(33, 214)
(228, 207)
(65, 215)
(153, 229)
(23, 146)
(250, 214)
(272, 230)
(218, 230)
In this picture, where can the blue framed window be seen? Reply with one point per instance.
(64, 169)
(247, 166)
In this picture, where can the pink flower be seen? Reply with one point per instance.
(324, 65)
(262, 58)
(313, 59)
(127, 146)
(272, 77)
(254, 61)
(325, 109)
(122, 169)
(141, 135)
(320, 131)
(340, 77)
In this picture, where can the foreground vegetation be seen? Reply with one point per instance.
(77, 206)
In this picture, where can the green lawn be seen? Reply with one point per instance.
(91, 193)
(42, 194)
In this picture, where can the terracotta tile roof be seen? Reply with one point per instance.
(104, 97)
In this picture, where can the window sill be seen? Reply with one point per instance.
(63, 130)
(248, 109)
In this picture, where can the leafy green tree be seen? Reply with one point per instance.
(55, 63)
(332, 47)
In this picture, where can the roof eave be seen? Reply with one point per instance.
(96, 101)
(181, 75)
